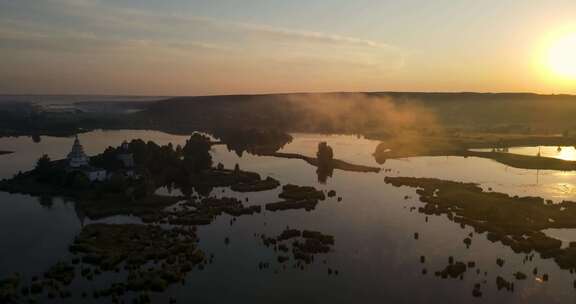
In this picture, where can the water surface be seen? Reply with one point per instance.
(375, 252)
(562, 152)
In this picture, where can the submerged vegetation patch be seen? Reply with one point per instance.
(298, 197)
(108, 246)
(152, 257)
(294, 192)
(514, 221)
(204, 211)
(300, 246)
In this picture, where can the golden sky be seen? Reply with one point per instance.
(179, 47)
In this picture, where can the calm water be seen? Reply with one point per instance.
(375, 251)
(563, 152)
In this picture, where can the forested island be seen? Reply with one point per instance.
(105, 184)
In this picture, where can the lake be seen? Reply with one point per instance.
(375, 252)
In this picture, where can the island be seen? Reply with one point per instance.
(325, 162)
(125, 179)
(462, 147)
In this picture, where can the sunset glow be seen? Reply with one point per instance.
(309, 151)
(562, 56)
(229, 47)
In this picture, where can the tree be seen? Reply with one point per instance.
(325, 155)
(323, 173)
(80, 181)
(44, 169)
(196, 154)
(107, 160)
(43, 164)
(145, 186)
(116, 183)
(139, 149)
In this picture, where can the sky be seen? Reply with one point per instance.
(206, 47)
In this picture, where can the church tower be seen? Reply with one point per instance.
(77, 158)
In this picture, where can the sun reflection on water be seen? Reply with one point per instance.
(565, 189)
(564, 152)
(567, 153)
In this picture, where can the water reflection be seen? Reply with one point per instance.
(46, 201)
(324, 173)
(563, 152)
(353, 149)
(567, 236)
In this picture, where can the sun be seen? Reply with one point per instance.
(562, 56)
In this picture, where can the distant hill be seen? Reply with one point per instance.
(376, 115)
(367, 113)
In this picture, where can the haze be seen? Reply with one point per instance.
(179, 47)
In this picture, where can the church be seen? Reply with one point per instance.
(77, 160)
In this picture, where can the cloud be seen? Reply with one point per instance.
(76, 41)
(311, 36)
(90, 37)
(104, 20)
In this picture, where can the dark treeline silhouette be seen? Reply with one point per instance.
(135, 170)
(168, 165)
(375, 115)
(365, 113)
(154, 166)
(254, 141)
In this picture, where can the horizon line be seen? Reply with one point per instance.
(296, 93)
